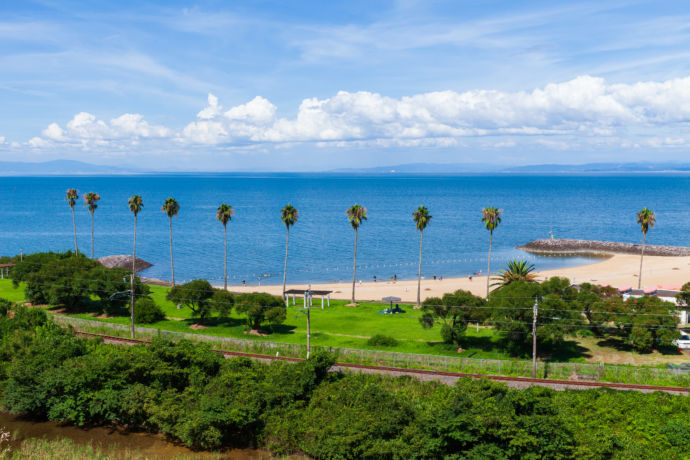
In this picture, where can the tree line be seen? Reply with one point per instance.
(77, 283)
(644, 323)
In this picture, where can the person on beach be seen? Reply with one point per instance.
(374, 278)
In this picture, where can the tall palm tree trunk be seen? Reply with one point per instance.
(131, 280)
(639, 278)
(354, 269)
(172, 265)
(488, 268)
(225, 270)
(92, 234)
(287, 240)
(419, 272)
(74, 227)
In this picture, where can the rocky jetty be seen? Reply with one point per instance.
(599, 248)
(124, 261)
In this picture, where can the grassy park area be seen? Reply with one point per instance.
(352, 327)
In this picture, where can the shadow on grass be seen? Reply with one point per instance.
(216, 321)
(620, 345)
(566, 351)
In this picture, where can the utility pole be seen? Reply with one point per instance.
(307, 296)
(534, 339)
(131, 305)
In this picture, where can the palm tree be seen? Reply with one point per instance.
(289, 216)
(491, 217)
(517, 270)
(91, 200)
(646, 218)
(171, 207)
(135, 205)
(224, 215)
(421, 218)
(72, 197)
(356, 215)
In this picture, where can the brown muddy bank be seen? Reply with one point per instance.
(148, 445)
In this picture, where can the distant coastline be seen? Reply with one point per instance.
(79, 168)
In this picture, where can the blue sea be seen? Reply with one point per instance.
(35, 217)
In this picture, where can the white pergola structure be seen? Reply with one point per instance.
(5, 270)
(325, 295)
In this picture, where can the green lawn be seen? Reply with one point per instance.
(7, 291)
(336, 326)
(344, 327)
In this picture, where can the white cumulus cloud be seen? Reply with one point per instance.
(86, 130)
(558, 115)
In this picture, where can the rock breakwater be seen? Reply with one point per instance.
(601, 248)
(124, 261)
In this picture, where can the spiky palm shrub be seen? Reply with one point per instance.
(517, 270)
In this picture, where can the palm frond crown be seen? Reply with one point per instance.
(224, 213)
(72, 196)
(646, 218)
(171, 207)
(135, 204)
(91, 200)
(491, 217)
(289, 215)
(421, 217)
(356, 214)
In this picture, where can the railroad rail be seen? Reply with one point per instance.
(424, 374)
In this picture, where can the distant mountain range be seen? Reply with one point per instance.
(451, 168)
(72, 167)
(60, 168)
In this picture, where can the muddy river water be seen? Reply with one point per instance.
(148, 445)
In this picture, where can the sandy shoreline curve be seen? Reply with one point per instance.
(618, 270)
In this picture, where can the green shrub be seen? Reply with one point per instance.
(380, 340)
(261, 308)
(146, 311)
(195, 295)
(222, 302)
(5, 306)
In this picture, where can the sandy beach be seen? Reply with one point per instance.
(618, 270)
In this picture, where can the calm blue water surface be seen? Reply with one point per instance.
(35, 217)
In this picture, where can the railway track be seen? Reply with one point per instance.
(424, 374)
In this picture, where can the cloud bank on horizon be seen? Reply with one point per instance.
(314, 85)
(586, 107)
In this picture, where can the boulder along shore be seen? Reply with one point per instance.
(600, 248)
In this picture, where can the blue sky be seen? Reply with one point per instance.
(318, 85)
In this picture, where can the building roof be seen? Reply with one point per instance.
(303, 291)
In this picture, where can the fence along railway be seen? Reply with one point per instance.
(424, 374)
